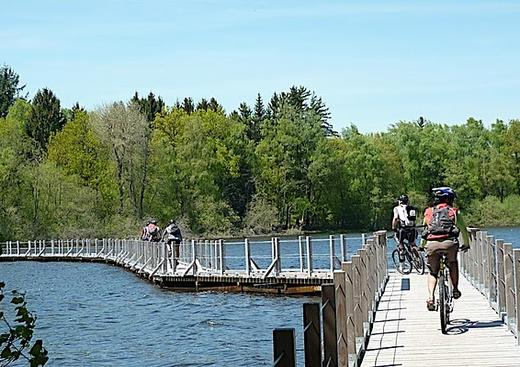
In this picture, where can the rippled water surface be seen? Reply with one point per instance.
(101, 315)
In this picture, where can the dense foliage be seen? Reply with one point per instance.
(277, 165)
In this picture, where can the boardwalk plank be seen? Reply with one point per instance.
(406, 334)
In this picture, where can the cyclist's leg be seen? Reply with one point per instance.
(433, 262)
(453, 265)
(400, 237)
(412, 234)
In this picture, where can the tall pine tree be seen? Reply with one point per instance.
(45, 118)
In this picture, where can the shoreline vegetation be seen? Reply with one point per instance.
(277, 167)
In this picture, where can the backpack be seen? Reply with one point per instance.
(411, 212)
(440, 223)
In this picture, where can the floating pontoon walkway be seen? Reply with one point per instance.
(279, 266)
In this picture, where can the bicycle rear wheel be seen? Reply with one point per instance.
(417, 260)
(403, 267)
(443, 303)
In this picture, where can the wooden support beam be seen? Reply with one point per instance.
(312, 334)
(284, 348)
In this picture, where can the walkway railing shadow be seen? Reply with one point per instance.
(493, 267)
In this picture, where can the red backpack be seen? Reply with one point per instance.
(440, 222)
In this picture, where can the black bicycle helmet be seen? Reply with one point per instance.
(444, 192)
(403, 199)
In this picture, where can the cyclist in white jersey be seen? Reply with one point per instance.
(403, 223)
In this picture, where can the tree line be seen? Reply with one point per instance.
(275, 166)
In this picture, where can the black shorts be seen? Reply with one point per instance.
(407, 233)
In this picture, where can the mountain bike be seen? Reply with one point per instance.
(411, 256)
(445, 300)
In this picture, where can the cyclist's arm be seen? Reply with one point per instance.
(395, 219)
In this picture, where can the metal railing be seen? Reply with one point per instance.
(290, 257)
(345, 315)
(493, 267)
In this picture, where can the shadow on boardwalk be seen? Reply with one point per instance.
(406, 334)
(460, 326)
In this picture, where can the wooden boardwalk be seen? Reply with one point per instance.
(406, 334)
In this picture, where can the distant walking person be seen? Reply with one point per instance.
(403, 223)
(443, 226)
(172, 236)
(152, 232)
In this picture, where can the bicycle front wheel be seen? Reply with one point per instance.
(417, 260)
(403, 267)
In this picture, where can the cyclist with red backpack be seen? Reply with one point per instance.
(443, 224)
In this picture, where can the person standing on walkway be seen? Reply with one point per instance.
(172, 236)
(443, 224)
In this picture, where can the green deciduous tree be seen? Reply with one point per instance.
(15, 149)
(284, 155)
(79, 152)
(127, 132)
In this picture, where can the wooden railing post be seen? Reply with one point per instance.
(340, 298)
(328, 310)
(516, 268)
(356, 297)
(509, 285)
(284, 348)
(491, 270)
(364, 302)
(484, 265)
(501, 285)
(349, 308)
(312, 334)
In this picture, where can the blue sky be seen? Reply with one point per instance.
(373, 62)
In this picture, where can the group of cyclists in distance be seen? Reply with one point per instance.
(442, 227)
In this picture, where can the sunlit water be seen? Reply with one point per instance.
(101, 315)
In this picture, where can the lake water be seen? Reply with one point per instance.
(101, 315)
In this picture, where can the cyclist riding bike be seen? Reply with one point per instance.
(403, 223)
(443, 224)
